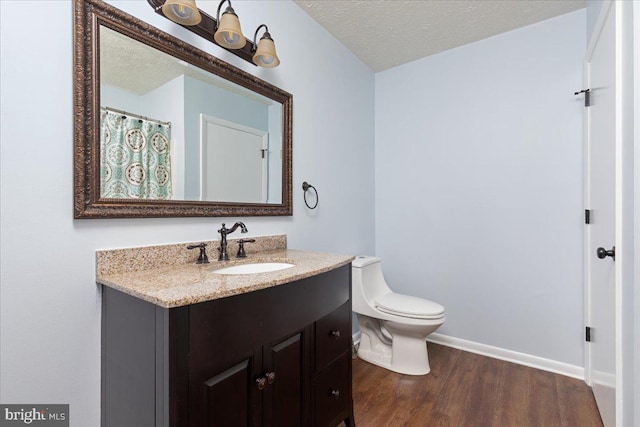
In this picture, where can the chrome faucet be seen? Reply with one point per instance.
(224, 256)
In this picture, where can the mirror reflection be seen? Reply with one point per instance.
(172, 131)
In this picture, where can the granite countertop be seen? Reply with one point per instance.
(184, 284)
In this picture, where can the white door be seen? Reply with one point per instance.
(234, 162)
(601, 280)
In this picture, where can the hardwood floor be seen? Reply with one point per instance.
(466, 389)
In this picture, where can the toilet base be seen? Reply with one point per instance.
(405, 353)
(385, 361)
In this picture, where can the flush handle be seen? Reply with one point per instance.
(603, 253)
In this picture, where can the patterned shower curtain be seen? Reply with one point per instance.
(134, 157)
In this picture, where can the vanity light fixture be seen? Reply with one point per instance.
(184, 12)
(265, 53)
(223, 30)
(228, 33)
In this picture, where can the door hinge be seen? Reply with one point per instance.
(587, 334)
(587, 216)
(587, 96)
(264, 152)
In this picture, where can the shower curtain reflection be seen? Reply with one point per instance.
(135, 161)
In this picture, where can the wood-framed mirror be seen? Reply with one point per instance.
(163, 129)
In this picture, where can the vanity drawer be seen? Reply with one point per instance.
(331, 392)
(332, 336)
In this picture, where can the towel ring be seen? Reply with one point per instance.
(305, 187)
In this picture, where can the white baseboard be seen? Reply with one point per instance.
(509, 355)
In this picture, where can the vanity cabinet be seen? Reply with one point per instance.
(280, 356)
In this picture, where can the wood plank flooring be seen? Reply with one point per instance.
(466, 389)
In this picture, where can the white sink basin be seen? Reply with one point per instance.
(258, 267)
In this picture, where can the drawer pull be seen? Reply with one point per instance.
(261, 383)
(335, 334)
(271, 377)
(335, 394)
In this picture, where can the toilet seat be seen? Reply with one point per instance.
(408, 306)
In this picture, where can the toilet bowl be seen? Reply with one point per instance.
(394, 327)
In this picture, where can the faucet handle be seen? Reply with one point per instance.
(202, 259)
(241, 252)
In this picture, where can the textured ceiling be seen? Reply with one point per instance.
(132, 66)
(387, 33)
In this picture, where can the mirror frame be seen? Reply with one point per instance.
(89, 16)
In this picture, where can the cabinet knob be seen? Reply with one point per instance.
(271, 377)
(261, 383)
(335, 334)
(335, 394)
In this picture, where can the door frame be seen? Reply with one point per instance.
(609, 6)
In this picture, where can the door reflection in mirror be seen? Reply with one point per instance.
(243, 161)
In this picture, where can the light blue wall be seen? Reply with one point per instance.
(120, 99)
(49, 302)
(479, 187)
(166, 103)
(275, 154)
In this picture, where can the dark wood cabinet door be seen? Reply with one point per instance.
(228, 398)
(285, 367)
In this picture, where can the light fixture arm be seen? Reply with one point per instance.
(255, 35)
(228, 9)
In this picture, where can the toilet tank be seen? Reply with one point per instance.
(367, 283)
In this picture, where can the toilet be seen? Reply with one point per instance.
(394, 327)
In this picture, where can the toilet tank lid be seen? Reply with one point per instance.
(363, 261)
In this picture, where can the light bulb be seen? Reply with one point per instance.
(231, 38)
(184, 12)
(266, 59)
(181, 11)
